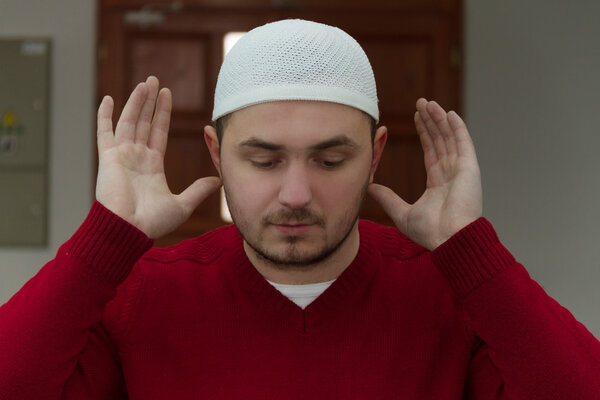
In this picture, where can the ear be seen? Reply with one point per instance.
(212, 143)
(378, 145)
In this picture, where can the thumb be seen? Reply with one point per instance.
(391, 203)
(195, 194)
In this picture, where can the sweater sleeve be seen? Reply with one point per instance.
(51, 328)
(529, 346)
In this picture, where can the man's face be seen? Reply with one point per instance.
(295, 174)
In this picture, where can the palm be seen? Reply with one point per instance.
(131, 180)
(453, 196)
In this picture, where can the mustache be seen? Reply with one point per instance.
(299, 216)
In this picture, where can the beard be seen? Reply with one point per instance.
(298, 251)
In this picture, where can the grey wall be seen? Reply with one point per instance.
(71, 26)
(532, 88)
(531, 98)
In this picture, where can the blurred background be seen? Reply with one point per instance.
(524, 75)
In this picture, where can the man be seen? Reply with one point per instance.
(298, 299)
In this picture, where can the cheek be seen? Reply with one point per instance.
(336, 192)
(249, 191)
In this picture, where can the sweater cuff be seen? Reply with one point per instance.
(107, 244)
(471, 257)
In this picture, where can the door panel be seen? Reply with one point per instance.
(179, 63)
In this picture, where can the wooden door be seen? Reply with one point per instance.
(414, 48)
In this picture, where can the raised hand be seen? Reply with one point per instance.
(131, 178)
(453, 197)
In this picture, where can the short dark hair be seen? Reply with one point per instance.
(220, 126)
(221, 123)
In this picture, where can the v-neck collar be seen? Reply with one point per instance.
(337, 296)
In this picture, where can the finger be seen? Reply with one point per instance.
(430, 156)
(125, 131)
(439, 116)
(105, 137)
(160, 125)
(144, 123)
(195, 194)
(432, 128)
(464, 143)
(391, 203)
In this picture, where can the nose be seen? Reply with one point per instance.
(295, 192)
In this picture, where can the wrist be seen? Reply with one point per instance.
(107, 243)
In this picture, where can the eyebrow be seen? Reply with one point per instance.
(341, 140)
(260, 144)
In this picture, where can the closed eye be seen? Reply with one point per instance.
(264, 164)
(330, 164)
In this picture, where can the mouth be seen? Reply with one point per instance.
(292, 229)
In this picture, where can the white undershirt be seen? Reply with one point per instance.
(302, 295)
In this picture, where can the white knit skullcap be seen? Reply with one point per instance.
(295, 60)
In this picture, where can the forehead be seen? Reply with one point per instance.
(297, 123)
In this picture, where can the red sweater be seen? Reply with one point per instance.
(109, 319)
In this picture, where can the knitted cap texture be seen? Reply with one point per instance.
(295, 60)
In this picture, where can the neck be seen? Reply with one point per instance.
(328, 269)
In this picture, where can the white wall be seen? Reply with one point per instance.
(532, 101)
(71, 26)
(532, 85)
